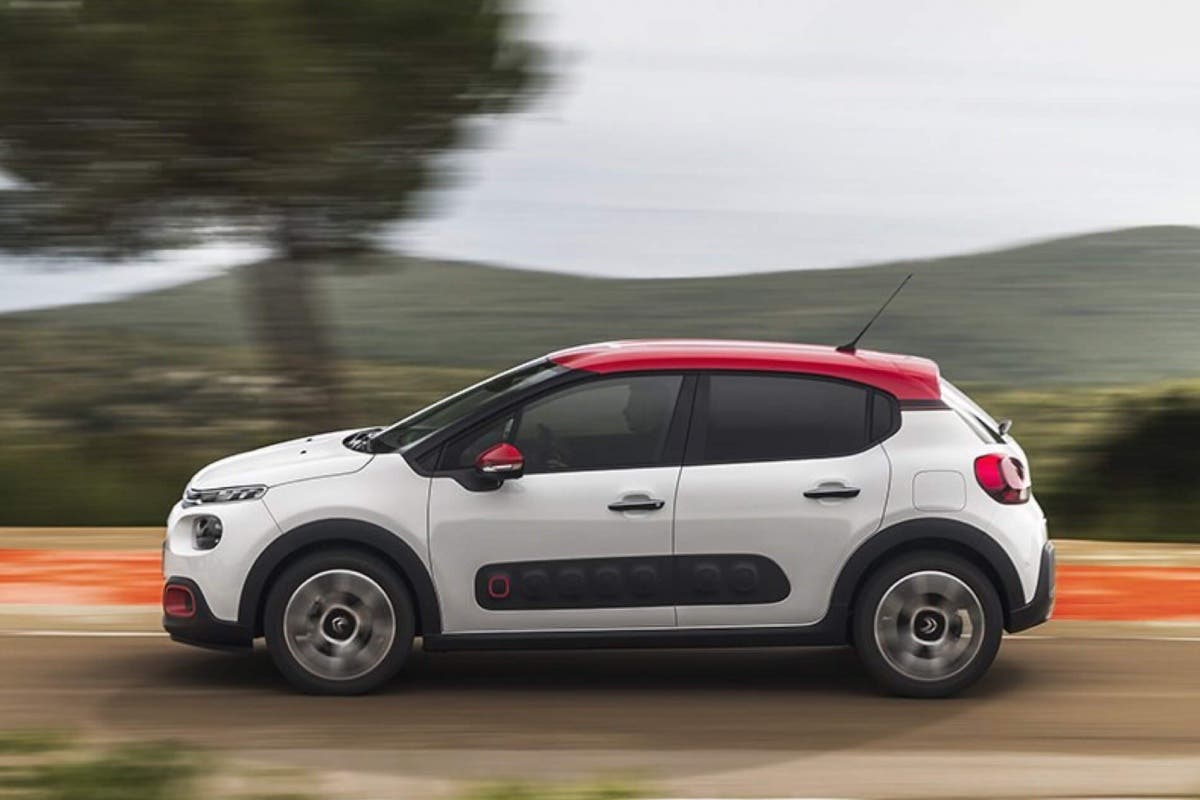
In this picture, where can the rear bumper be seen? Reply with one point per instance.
(1039, 609)
(201, 628)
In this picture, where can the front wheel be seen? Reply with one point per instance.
(338, 622)
(927, 624)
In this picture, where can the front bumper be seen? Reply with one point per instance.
(1039, 609)
(200, 627)
(218, 572)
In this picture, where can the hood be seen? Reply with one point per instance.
(319, 456)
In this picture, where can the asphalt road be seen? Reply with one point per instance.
(1056, 716)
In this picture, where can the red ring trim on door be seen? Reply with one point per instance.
(498, 587)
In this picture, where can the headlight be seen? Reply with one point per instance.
(195, 497)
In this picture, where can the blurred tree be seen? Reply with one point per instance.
(1139, 479)
(140, 124)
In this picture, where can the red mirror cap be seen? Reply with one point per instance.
(500, 459)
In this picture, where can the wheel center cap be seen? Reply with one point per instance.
(339, 625)
(928, 625)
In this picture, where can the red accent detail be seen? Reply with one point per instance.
(1003, 477)
(498, 587)
(177, 601)
(905, 377)
(500, 455)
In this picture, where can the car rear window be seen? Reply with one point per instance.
(750, 417)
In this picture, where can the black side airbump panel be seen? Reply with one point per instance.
(637, 581)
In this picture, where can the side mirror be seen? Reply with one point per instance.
(1004, 425)
(501, 461)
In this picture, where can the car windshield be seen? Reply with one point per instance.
(414, 429)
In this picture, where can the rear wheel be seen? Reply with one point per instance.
(338, 622)
(927, 624)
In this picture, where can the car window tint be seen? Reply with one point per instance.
(782, 417)
(607, 424)
(612, 423)
(463, 451)
(885, 416)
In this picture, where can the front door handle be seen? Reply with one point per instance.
(637, 503)
(832, 491)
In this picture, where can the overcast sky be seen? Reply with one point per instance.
(692, 138)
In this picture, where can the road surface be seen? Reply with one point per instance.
(1056, 716)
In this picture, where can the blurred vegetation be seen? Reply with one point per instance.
(97, 429)
(31, 742)
(1116, 307)
(1113, 462)
(102, 428)
(39, 765)
(1087, 343)
(527, 791)
(1144, 472)
(307, 125)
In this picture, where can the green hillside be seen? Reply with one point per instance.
(1120, 306)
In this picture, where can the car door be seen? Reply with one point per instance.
(783, 477)
(582, 540)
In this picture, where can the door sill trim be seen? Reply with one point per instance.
(828, 632)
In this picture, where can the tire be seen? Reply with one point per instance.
(927, 624)
(338, 622)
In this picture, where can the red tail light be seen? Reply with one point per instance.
(1003, 477)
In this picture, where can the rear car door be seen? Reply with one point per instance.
(583, 539)
(783, 477)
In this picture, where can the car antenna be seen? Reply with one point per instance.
(852, 345)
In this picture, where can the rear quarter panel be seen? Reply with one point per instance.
(933, 475)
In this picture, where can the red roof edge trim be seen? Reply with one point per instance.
(905, 377)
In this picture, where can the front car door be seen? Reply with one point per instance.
(583, 539)
(783, 474)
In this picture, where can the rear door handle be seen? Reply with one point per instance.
(832, 491)
(637, 503)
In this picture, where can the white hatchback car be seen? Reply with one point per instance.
(632, 494)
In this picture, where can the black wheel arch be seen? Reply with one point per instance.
(345, 533)
(933, 533)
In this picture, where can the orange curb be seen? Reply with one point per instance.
(108, 577)
(1127, 593)
(80, 577)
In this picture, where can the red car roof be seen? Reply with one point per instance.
(906, 377)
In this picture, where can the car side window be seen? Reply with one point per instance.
(749, 417)
(462, 451)
(610, 423)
